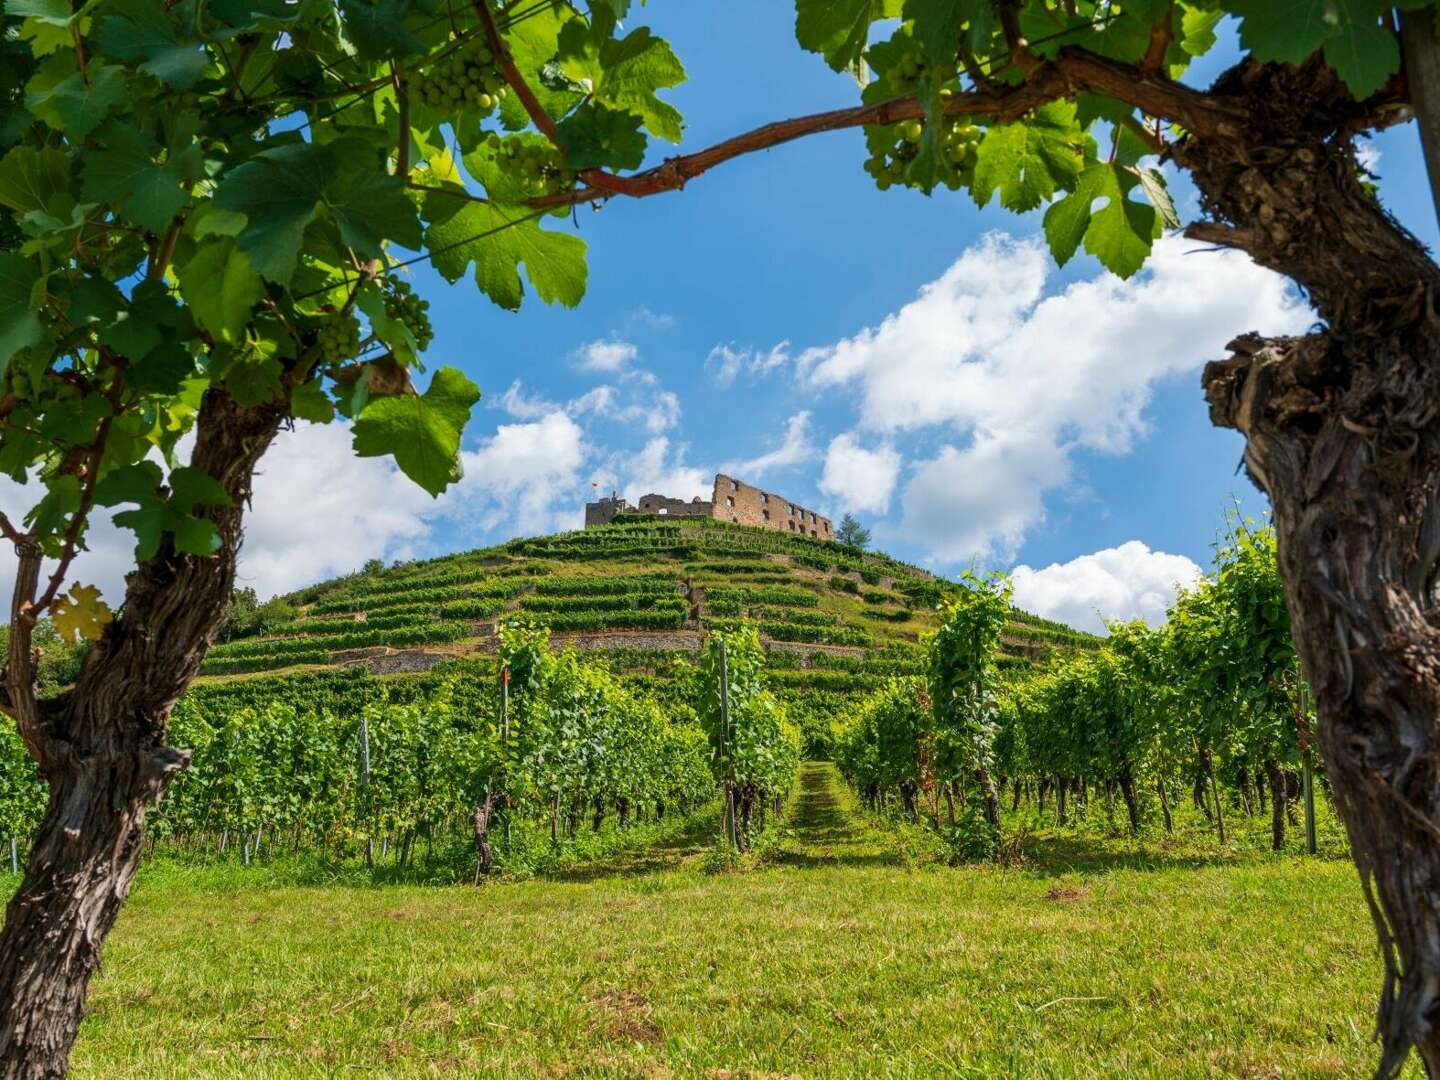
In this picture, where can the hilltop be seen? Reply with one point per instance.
(640, 591)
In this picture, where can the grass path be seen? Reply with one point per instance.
(833, 959)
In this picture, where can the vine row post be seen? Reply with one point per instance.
(365, 786)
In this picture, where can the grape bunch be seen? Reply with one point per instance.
(403, 305)
(338, 338)
(467, 79)
(959, 142)
(535, 166)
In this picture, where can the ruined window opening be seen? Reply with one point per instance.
(729, 500)
(734, 486)
(792, 526)
(765, 514)
(734, 519)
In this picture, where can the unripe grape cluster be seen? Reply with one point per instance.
(959, 143)
(536, 166)
(403, 305)
(467, 79)
(338, 338)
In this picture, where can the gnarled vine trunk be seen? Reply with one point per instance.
(102, 749)
(1342, 430)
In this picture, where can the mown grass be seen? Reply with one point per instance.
(836, 956)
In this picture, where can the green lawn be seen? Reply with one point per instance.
(832, 959)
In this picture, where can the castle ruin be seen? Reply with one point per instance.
(731, 500)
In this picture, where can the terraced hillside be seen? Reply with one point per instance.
(835, 621)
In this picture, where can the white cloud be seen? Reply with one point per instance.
(1028, 379)
(605, 355)
(857, 478)
(1125, 582)
(515, 402)
(1368, 154)
(318, 510)
(726, 362)
(659, 468)
(795, 449)
(656, 414)
(526, 476)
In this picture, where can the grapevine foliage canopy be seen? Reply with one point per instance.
(224, 194)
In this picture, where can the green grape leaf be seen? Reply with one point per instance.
(144, 32)
(308, 402)
(31, 178)
(20, 325)
(938, 24)
(191, 487)
(1028, 162)
(1364, 54)
(74, 105)
(498, 240)
(373, 208)
(1120, 234)
(1356, 46)
(421, 431)
(635, 67)
(125, 175)
(377, 28)
(596, 137)
(220, 288)
(840, 29)
(279, 191)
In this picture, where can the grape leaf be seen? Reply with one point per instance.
(77, 104)
(377, 28)
(82, 615)
(421, 431)
(498, 241)
(220, 288)
(143, 31)
(1028, 162)
(1363, 53)
(30, 178)
(279, 191)
(125, 175)
(1120, 234)
(20, 325)
(840, 29)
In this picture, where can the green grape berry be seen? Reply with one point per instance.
(338, 338)
(466, 80)
(402, 305)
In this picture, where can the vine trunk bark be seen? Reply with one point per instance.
(102, 750)
(1342, 431)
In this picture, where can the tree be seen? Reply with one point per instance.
(197, 208)
(852, 533)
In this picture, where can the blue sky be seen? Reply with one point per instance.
(978, 422)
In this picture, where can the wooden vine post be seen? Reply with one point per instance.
(365, 787)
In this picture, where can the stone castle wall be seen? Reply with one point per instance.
(744, 504)
(733, 501)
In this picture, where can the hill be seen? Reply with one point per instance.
(836, 621)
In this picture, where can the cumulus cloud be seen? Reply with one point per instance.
(655, 412)
(659, 468)
(526, 476)
(610, 355)
(795, 448)
(1126, 582)
(860, 479)
(1022, 380)
(521, 405)
(727, 362)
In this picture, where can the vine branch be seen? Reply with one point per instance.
(1072, 71)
